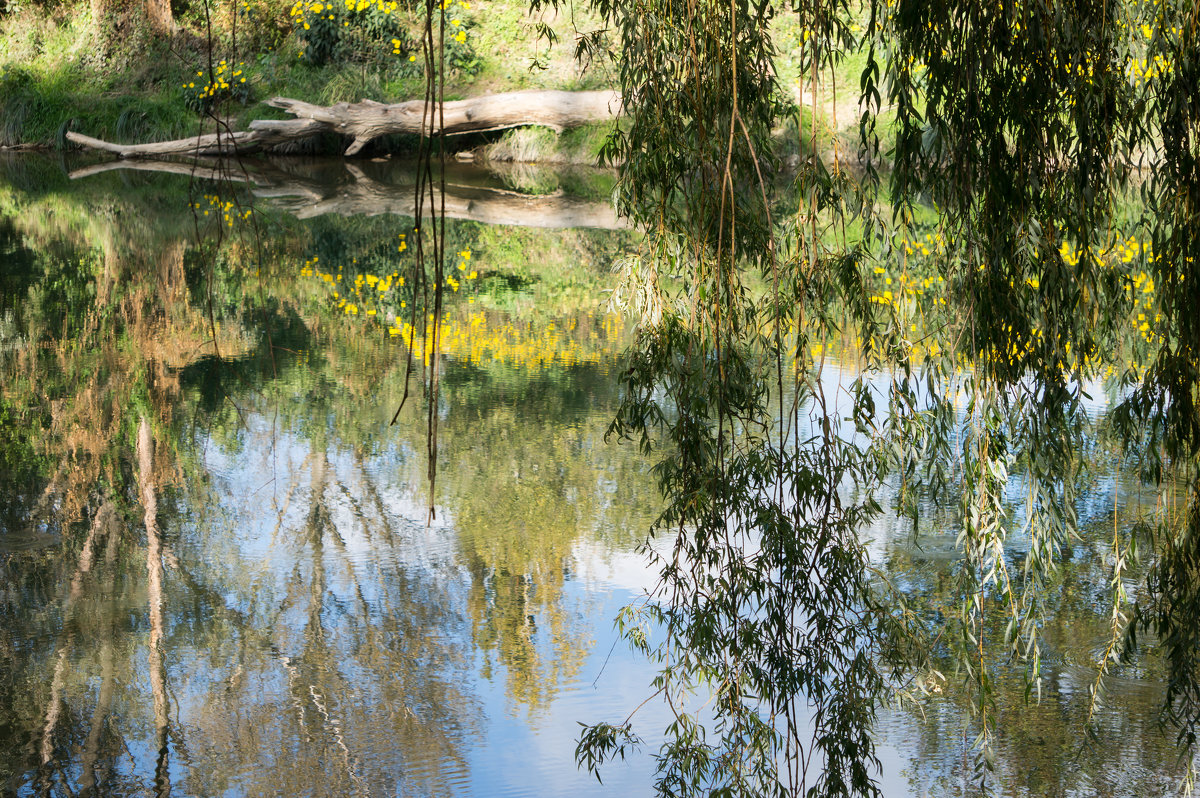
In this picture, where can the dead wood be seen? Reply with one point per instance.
(366, 120)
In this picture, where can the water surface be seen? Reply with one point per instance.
(221, 575)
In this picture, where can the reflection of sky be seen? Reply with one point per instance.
(514, 752)
(517, 757)
(238, 660)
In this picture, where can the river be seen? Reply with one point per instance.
(223, 570)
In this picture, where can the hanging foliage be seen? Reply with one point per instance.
(1042, 190)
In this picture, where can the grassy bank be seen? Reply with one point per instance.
(61, 69)
(112, 78)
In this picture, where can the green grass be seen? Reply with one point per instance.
(54, 76)
(580, 145)
(37, 108)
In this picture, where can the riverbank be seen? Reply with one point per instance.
(62, 69)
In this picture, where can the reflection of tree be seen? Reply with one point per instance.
(320, 652)
(368, 694)
(97, 335)
(1044, 743)
(527, 479)
(370, 672)
(154, 592)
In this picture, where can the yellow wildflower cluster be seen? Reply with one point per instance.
(325, 25)
(227, 79)
(912, 300)
(305, 12)
(369, 293)
(307, 269)
(1139, 288)
(893, 290)
(216, 206)
(1139, 70)
(470, 336)
(479, 339)
(465, 257)
(1144, 70)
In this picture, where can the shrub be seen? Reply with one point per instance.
(355, 30)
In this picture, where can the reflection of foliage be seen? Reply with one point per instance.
(99, 336)
(1020, 124)
(1039, 743)
(286, 348)
(530, 481)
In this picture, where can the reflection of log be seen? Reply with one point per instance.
(191, 170)
(366, 197)
(367, 119)
(306, 198)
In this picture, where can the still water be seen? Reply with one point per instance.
(219, 573)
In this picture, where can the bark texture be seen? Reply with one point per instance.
(366, 120)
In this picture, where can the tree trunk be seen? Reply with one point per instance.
(162, 21)
(367, 119)
(110, 18)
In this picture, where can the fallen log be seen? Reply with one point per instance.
(366, 120)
